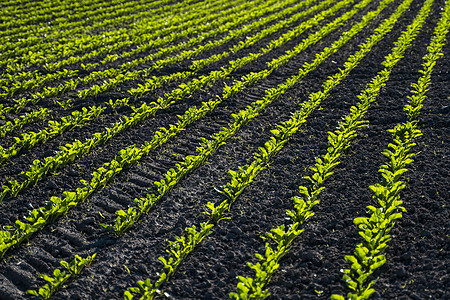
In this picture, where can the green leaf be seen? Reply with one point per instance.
(32, 292)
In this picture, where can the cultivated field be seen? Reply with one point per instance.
(212, 149)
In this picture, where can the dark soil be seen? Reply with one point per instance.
(418, 257)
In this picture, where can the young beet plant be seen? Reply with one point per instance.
(59, 277)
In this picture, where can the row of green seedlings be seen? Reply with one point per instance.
(17, 87)
(369, 254)
(121, 74)
(14, 235)
(164, 11)
(56, 282)
(182, 246)
(86, 8)
(23, 121)
(48, 58)
(126, 219)
(55, 128)
(72, 151)
(338, 141)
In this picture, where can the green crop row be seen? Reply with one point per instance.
(55, 128)
(56, 282)
(37, 81)
(23, 120)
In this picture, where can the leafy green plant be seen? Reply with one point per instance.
(23, 120)
(55, 128)
(368, 255)
(56, 282)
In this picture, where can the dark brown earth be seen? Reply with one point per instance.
(417, 257)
